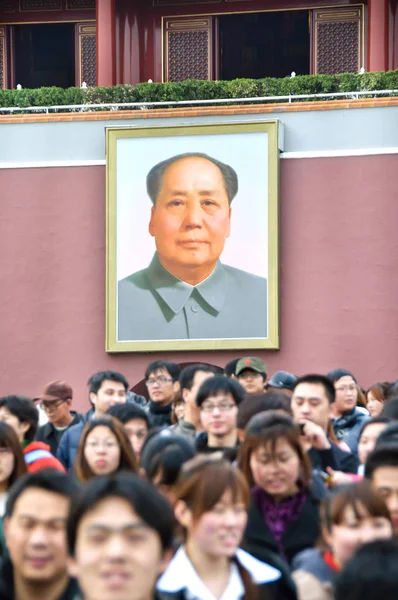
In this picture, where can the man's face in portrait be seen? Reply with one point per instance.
(191, 218)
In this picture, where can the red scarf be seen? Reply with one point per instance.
(329, 560)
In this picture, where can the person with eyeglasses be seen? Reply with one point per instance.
(161, 380)
(349, 418)
(56, 402)
(218, 399)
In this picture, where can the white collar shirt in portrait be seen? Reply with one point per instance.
(181, 575)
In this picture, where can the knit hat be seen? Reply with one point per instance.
(38, 457)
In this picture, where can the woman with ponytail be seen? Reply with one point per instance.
(212, 498)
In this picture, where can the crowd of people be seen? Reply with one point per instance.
(218, 484)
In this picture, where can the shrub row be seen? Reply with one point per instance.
(200, 90)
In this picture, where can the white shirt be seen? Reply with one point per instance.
(181, 575)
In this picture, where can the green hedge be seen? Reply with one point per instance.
(200, 90)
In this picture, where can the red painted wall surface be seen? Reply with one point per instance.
(339, 264)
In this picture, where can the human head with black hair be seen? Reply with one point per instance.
(35, 530)
(382, 470)
(371, 573)
(154, 178)
(21, 414)
(136, 423)
(230, 367)
(161, 378)
(191, 213)
(390, 409)
(312, 399)
(191, 378)
(104, 448)
(347, 391)
(218, 399)
(369, 436)
(162, 459)
(253, 405)
(107, 388)
(120, 533)
(391, 391)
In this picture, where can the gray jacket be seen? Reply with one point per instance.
(155, 305)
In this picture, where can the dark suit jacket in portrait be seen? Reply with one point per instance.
(155, 305)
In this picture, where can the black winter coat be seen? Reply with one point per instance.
(301, 534)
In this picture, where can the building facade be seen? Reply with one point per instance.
(108, 42)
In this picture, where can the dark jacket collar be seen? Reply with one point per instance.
(7, 583)
(48, 428)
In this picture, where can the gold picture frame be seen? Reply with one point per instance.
(252, 150)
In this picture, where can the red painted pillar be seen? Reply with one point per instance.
(106, 42)
(378, 35)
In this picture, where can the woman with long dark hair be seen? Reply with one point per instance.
(104, 448)
(284, 510)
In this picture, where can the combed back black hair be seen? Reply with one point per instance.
(389, 435)
(390, 409)
(230, 367)
(154, 177)
(391, 391)
(267, 419)
(128, 412)
(337, 374)
(162, 365)
(384, 455)
(325, 382)
(164, 454)
(97, 380)
(188, 373)
(262, 402)
(219, 384)
(143, 498)
(370, 574)
(24, 410)
(46, 480)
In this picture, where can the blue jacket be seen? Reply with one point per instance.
(348, 427)
(69, 442)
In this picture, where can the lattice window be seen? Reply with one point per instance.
(86, 64)
(40, 5)
(89, 60)
(188, 48)
(188, 52)
(80, 4)
(7, 6)
(338, 40)
(2, 58)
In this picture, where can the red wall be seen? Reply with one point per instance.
(339, 285)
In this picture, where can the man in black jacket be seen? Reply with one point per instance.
(161, 379)
(56, 401)
(218, 399)
(35, 529)
(312, 398)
